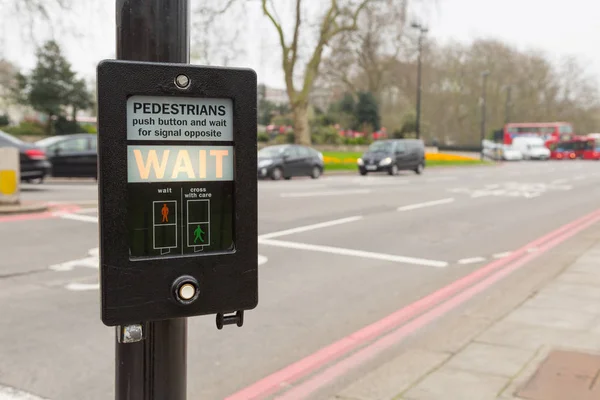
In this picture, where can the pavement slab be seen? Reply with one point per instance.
(490, 359)
(455, 384)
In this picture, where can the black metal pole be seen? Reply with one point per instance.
(419, 87)
(483, 110)
(155, 367)
(507, 106)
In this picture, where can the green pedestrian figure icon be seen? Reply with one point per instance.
(198, 235)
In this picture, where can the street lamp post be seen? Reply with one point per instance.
(422, 30)
(484, 76)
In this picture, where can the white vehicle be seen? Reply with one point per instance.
(509, 153)
(532, 148)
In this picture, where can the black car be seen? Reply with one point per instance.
(289, 160)
(33, 162)
(392, 156)
(72, 156)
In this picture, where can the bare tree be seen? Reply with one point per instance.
(361, 58)
(29, 12)
(337, 19)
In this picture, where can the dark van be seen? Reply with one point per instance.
(392, 156)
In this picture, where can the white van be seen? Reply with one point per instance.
(532, 148)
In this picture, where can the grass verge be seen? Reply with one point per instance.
(346, 161)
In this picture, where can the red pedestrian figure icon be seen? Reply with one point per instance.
(165, 213)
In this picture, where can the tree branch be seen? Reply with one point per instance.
(288, 65)
(294, 46)
(354, 25)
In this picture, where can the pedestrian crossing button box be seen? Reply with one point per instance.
(177, 191)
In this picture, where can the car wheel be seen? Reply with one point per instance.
(393, 170)
(315, 173)
(419, 169)
(276, 174)
(287, 178)
(362, 172)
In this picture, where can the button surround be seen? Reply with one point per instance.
(185, 289)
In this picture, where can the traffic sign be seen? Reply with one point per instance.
(177, 190)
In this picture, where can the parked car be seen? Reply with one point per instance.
(392, 156)
(33, 162)
(287, 161)
(72, 156)
(509, 153)
(532, 148)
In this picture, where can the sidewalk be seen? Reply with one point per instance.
(546, 347)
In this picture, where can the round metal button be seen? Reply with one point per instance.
(187, 291)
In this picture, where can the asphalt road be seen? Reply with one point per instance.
(337, 254)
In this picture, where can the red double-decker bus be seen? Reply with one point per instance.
(545, 130)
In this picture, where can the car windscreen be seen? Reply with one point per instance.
(377, 147)
(271, 152)
(49, 141)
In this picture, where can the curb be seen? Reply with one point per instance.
(22, 209)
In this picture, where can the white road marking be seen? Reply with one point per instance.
(310, 227)
(354, 253)
(426, 204)
(326, 193)
(8, 393)
(81, 287)
(471, 260)
(92, 261)
(77, 217)
(502, 255)
(87, 211)
(262, 259)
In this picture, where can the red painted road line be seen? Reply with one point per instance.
(37, 216)
(320, 380)
(305, 366)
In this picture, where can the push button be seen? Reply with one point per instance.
(186, 289)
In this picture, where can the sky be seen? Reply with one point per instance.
(556, 27)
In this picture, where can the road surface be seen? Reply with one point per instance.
(336, 254)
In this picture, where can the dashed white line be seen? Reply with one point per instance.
(502, 255)
(262, 259)
(471, 260)
(82, 287)
(310, 227)
(326, 193)
(77, 217)
(426, 204)
(355, 253)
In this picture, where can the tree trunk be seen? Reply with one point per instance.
(301, 127)
(49, 126)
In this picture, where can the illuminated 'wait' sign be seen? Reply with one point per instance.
(179, 163)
